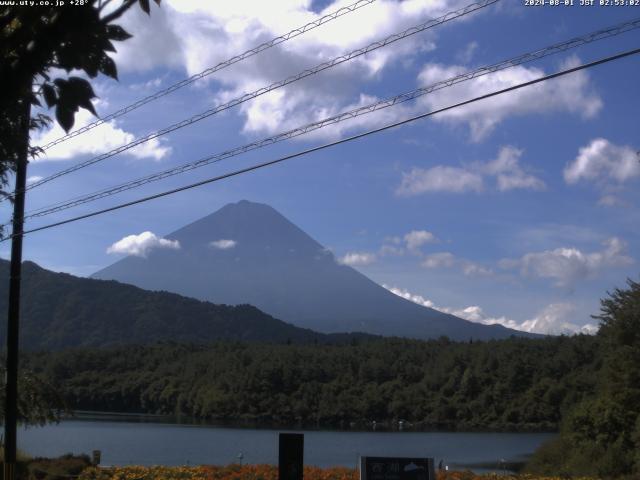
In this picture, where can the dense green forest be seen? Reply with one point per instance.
(511, 384)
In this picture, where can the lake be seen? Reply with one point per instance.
(149, 443)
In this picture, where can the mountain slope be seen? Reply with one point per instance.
(60, 310)
(283, 271)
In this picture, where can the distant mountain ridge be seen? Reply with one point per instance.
(271, 263)
(60, 311)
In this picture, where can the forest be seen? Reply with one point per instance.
(516, 384)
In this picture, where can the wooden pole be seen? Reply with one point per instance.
(13, 320)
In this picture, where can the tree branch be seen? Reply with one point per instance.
(126, 5)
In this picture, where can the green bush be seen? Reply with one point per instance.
(55, 468)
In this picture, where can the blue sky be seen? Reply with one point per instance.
(522, 209)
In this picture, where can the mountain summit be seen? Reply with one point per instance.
(249, 253)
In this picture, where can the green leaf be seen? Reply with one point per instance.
(91, 63)
(73, 93)
(65, 117)
(69, 58)
(144, 5)
(116, 32)
(49, 94)
(87, 105)
(82, 93)
(108, 67)
(107, 46)
(81, 86)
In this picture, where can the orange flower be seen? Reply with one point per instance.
(263, 472)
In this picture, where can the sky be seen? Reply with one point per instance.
(521, 209)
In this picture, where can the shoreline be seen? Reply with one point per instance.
(252, 424)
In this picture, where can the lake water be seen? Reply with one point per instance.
(130, 442)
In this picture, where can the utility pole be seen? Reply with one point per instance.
(13, 320)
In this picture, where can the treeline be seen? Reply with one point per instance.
(600, 436)
(515, 384)
(64, 311)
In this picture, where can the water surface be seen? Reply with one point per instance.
(150, 443)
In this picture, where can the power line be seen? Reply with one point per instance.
(249, 96)
(332, 144)
(227, 63)
(385, 103)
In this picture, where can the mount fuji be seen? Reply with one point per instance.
(248, 253)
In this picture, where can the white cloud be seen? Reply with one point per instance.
(572, 93)
(413, 240)
(505, 168)
(611, 201)
(439, 179)
(416, 238)
(223, 244)
(466, 54)
(155, 35)
(96, 141)
(510, 175)
(439, 260)
(419, 299)
(551, 320)
(602, 161)
(449, 260)
(355, 259)
(152, 84)
(34, 178)
(140, 245)
(395, 239)
(195, 35)
(568, 265)
(386, 250)
(471, 269)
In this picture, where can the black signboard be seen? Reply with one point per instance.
(396, 468)
(290, 456)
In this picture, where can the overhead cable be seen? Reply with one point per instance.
(227, 63)
(375, 106)
(332, 144)
(249, 96)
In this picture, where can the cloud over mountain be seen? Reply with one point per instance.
(358, 259)
(554, 319)
(223, 244)
(140, 245)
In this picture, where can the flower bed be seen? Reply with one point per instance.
(262, 472)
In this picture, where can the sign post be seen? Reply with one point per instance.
(396, 468)
(290, 456)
